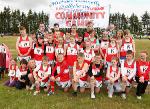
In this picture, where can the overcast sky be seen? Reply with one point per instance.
(123, 6)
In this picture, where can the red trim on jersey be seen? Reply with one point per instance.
(38, 57)
(51, 55)
(99, 68)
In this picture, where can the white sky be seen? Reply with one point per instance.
(123, 6)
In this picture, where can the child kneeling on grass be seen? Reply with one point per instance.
(41, 74)
(80, 69)
(95, 72)
(22, 75)
(128, 72)
(60, 74)
(113, 75)
(142, 77)
(12, 74)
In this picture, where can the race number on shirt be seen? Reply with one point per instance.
(88, 56)
(143, 68)
(40, 74)
(113, 74)
(72, 51)
(24, 44)
(112, 50)
(129, 71)
(104, 44)
(11, 73)
(128, 47)
(38, 51)
(59, 50)
(49, 49)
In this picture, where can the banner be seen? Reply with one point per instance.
(79, 12)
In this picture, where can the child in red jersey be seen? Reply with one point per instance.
(127, 44)
(111, 51)
(23, 45)
(89, 26)
(60, 75)
(22, 75)
(72, 50)
(39, 50)
(80, 69)
(95, 72)
(50, 50)
(88, 52)
(41, 75)
(142, 77)
(60, 49)
(12, 74)
(104, 43)
(113, 76)
(128, 72)
(119, 37)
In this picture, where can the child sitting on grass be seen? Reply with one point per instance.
(12, 74)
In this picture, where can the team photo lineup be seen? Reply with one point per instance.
(49, 60)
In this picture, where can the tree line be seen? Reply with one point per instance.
(11, 19)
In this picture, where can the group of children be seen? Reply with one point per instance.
(78, 61)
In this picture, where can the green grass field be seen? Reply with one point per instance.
(10, 98)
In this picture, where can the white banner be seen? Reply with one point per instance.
(79, 12)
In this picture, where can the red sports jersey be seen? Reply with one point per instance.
(143, 69)
(12, 72)
(88, 56)
(50, 51)
(62, 71)
(104, 45)
(32, 50)
(41, 73)
(86, 35)
(113, 73)
(71, 54)
(24, 45)
(59, 50)
(79, 69)
(111, 52)
(125, 47)
(38, 52)
(95, 70)
(93, 44)
(128, 69)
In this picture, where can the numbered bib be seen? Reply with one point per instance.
(38, 51)
(129, 71)
(49, 49)
(143, 68)
(59, 50)
(112, 51)
(104, 44)
(41, 74)
(113, 74)
(88, 56)
(72, 51)
(24, 44)
(11, 73)
(95, 71)
(128, 47)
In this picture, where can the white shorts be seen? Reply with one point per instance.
(44, 84)
(83, 84)
(38, 63)
(64, 84)
(27, 58)
(98, 84)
